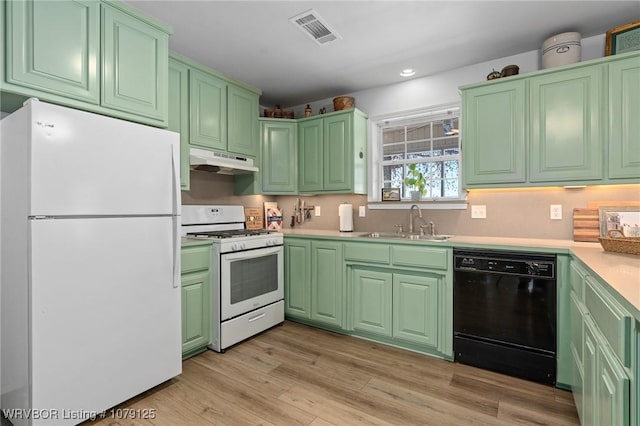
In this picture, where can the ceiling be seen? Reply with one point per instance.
(254, 41)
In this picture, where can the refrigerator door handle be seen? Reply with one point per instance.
(176, 251)
(175, 162)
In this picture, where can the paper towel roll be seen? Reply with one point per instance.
(345, 211)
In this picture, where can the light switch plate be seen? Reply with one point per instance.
(555, 211)
(317, 211)
(479, 212)
(361, 211)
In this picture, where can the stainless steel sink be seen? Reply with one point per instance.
(386, 235)
(402, 236)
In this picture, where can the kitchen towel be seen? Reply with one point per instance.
(345, 211)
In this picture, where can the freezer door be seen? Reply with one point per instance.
(88, 164)
(105, 317)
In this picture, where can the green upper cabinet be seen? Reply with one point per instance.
(208, 111)
(54, 47)
(179, 114)
(624, 110)
(566, 142)
(278, 169)
(494, 138)
(332, 153)
(242, 111)
(134, 65)
(310, 155)
(100, 56)
(571, 125)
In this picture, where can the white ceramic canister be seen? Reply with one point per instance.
(561, 49)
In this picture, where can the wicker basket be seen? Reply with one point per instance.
(629, 245)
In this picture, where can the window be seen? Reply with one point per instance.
(430, 139)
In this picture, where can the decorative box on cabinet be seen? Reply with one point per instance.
(102, 57)
(196, 298)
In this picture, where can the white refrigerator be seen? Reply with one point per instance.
(90, 272)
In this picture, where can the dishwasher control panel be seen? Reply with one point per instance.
(522, 264)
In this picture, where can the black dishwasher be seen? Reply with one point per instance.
(504, 316)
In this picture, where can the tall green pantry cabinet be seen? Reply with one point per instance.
(100, 56)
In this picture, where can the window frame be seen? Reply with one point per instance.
(375, 141)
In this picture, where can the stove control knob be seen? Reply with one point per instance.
(243, 246)
(267, 243)
(234, 247)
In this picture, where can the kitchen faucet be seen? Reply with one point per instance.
(411, 217)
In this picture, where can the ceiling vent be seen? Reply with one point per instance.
(315, 27)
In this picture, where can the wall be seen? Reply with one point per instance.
(510, 213)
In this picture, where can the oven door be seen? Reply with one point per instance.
(250, 279)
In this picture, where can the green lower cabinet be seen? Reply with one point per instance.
(372, 296)
(415, 308)
(297, 279)
(196, 298)
(326, 283)
(196, 320)
(612, 386)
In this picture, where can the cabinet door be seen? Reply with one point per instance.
(612, 386)
(372, 297)
(278, 157)
(415, 308)
(54, 47)
(624, 127)
(208, 111)
(494, 134)
(590, 380)
(338, 153)
(326, 282)
(297, 279)
(179, 114)
(310, 155)
(196, 317)
(135, 68)
(565, 130)
(242, 118)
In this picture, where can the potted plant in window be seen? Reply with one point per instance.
(416, 182)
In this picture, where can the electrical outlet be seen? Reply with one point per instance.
(317, 211)
(555, 211)
(361, 211)
(479, 212)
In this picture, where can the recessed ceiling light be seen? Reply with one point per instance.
(407, 73)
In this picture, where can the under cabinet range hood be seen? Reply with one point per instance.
(224, 164)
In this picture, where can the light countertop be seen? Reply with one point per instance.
(620, 271)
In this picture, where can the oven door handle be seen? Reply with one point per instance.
(252, 254)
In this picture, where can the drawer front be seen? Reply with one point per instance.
(420, 257)
(370, 253)
(576, 278)
(195, 258)
(611, 319)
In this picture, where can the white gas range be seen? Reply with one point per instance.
(248, 272)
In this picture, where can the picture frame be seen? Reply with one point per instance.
(390, 194)
(625, 219)
(624, 38)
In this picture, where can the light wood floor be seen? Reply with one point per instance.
(300, 375)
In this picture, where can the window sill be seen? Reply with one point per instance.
(406, 205)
